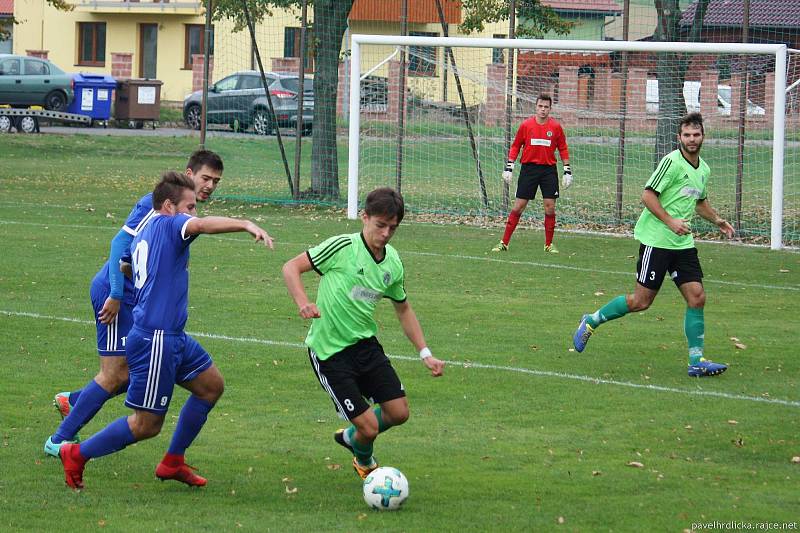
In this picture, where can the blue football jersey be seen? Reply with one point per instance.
(100, 283)
(138, 218)
(160, 254)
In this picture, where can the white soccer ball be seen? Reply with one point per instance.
(385, 489)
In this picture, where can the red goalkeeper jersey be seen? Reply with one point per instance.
(539, 142)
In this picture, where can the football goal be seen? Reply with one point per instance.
(434, 117)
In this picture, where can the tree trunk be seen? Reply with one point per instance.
(330, 23)
(671, 73)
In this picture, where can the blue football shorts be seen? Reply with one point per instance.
(157, 360)
(110, 337)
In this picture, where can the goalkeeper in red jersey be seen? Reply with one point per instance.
(538, 137)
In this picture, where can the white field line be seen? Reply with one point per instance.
(458, 257)
(469, 365)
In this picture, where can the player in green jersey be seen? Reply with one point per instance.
(672, 195)
(357, 271)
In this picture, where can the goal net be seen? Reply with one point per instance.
(443, 140)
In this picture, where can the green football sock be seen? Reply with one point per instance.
(363, 452)
(383, 425)
(694, 328)
(614, 309)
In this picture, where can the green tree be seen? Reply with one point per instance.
(671, 71)
(534, 20)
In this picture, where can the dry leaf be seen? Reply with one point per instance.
(560, 520)
(796, 460)
(687, 427)
(740, 346)
(636, 464)
(734, 339)
(362, 516)
(334, 467)
(732, 422)
(783, 270)
(597, 473)
(599, 293)
(291, 491)
(739, 443)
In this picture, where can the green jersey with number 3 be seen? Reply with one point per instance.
(679, 186)
(353, 282)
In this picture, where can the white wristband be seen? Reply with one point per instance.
(425, 353)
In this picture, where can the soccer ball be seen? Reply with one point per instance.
(385, 489)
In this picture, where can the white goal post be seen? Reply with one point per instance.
(778, 51)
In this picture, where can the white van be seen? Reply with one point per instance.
(691, 97)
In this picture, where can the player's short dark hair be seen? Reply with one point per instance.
(171, 187)
(692, 119)
(201, 158)
(385, 202)
(546, 97)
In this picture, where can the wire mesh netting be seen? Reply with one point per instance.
(446, 165)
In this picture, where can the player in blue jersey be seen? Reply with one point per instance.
(159, 353)
(112, 299)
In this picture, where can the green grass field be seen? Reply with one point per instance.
(521, 434)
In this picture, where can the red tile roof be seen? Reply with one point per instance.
(6, 7)
(763, 14)
(599, 7)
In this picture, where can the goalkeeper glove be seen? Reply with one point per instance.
(566, 180)
(508, 173)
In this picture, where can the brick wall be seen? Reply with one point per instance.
(197, 71)
(121, 65)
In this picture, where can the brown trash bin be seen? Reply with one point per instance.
(138, 99)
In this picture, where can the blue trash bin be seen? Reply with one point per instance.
(93, 96)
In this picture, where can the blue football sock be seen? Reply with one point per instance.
(193, 415)
(112, 438)
(73, 397)
(91, 400)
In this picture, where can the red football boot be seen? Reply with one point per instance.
(74, 464)
(182, 472)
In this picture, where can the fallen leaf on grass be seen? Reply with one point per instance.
(635, 464)
(732, 422)
(599, 293)
(784, 270)
(560, 520)
(334, 467)
(597, 473)
(735, 339)
(292, 490)
(740, 346)
(796, 460)
(739, 443)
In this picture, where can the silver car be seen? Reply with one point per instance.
(27, 81)
(239, 101)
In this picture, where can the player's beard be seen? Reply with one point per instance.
(694, 150)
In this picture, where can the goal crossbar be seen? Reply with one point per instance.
(779, 51)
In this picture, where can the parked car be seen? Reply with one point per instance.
(27, 81)
(239, 100)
